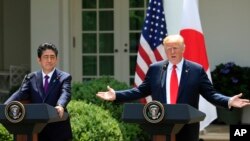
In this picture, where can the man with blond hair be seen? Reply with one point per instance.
(174, 81)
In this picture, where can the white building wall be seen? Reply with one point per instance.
(173, 11)
(225, 25)
(50, 23)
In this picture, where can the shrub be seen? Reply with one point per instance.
(4, 134)
(231, 79)
(90, 122)
(86, 92)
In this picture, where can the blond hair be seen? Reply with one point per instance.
(173, 40)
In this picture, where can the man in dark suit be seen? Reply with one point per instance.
(192, 81)
(55, 91)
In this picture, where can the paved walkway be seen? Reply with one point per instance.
(215, 132)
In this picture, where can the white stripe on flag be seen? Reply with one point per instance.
(147, 49)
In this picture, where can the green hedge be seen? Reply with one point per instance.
(86, 92)
(4, 134)
(90, 122)
(231, 79)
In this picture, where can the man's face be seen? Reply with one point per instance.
(48, 60)
(174, 52)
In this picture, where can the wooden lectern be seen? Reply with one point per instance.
(37, 116)
(175, 117)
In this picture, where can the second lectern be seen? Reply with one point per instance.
(27, 119)
(161, 119)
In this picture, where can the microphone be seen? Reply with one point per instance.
(164, 68)
(25, 79)
(29, 76)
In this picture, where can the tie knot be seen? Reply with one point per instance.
(174, 66)
(46, 77)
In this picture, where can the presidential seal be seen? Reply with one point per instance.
(153, 112)
(15, 111)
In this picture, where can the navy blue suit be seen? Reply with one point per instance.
(59, 93)
(194, 81)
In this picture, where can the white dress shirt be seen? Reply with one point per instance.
(169, 71)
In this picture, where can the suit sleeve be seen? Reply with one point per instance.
(65, 95)
(209, 93)
(141, 91)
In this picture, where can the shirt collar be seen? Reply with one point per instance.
(49, 74)
(179, 65)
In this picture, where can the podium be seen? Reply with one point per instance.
(175, 117)
(36, 117)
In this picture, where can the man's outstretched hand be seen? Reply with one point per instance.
(238, 102)
(108, 95)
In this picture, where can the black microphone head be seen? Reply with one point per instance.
(164, 67)
(29, 76)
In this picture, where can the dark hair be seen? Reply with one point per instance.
(45, 46)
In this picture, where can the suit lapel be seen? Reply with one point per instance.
(54, 81)
(184, 79)
(183, 83)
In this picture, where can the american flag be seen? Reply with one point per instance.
(150, 48)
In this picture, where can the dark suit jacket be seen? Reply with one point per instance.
(194, 81)
(59, 93)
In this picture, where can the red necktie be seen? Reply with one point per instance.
(173, 86)
(46, 83)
